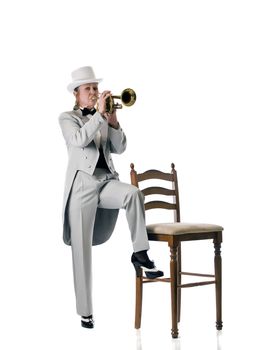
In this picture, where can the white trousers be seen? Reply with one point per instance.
(88, 193)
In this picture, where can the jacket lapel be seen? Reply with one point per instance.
(82, 120)
(78, 115)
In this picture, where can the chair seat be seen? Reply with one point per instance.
(178, 228)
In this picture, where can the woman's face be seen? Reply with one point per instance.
(87, 95)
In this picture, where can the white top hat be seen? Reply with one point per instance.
(82, 75)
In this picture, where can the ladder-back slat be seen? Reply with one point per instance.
(159, 204)
(154, 174)
(158, 190)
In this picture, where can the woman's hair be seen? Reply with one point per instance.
(76, 106)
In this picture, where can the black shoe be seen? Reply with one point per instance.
(87, 321)
(141, 261)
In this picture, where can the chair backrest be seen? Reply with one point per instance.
(137, 178)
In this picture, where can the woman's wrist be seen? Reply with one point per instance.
(115, 126)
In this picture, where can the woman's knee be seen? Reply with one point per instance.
(134, 193)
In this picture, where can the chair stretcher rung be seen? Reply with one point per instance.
(195, 284)
(147, 280)
(196, 274)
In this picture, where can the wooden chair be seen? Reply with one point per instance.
(175, 233)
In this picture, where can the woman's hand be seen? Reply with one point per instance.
(102, 101)
(112, 119)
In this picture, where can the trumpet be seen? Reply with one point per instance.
(127, 97)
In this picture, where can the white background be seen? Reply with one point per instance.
(206, 77)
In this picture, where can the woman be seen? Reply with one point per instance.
(93, 193)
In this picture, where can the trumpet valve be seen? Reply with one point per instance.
(118, 106)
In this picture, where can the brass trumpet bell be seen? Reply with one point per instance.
(127, 97)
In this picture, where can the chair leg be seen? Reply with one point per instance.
(179, 282)
(138, 303)
(218, 283)
(174, 296)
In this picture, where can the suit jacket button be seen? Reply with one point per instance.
(89, 166)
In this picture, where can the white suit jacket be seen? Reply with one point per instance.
(83, 155)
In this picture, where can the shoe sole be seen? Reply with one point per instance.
(153, 275)
(84, 325)
(149, 273)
